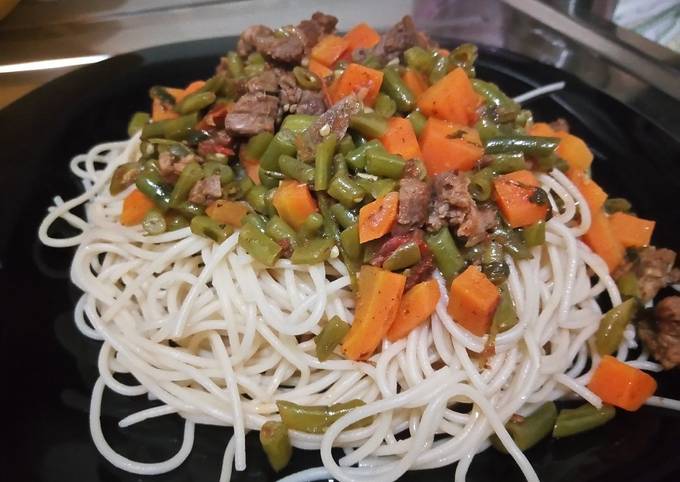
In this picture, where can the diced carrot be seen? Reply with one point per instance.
(633, 232)
(401, 139)
(362, 36)
(329, 49)
(621, 385)
(446, 146)
(215, 116)
(190, 89)
(513, 193)
(592, 192)
(378, 217)
(227, 212)
(319, 69)
(573, 150)
(416, 307)
(294, 202)
(542, 129)
(135, 207)
(252, 169)
(160, 112)
(357, 79)
(415, 81)
(378, 299)
(473, 300)
(601, 239)
(451, 98)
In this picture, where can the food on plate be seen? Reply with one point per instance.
(351, 240)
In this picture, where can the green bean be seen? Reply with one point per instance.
(276, 444)
(175, 221)
(369, 124)
(370, 250)
(217, 157)
(550, 162)
(419, 59)
(234, 64)
(282, 143)
(349, 240)
(612, 325)
(493, 95)
(160, 93)
(344, 216)
(385, 105)
(298, 123)
(493, 266)
(256, 198)
(189, 209)
(258, 245)
(439, 69)
(340, 165)
(404, 256)
(174, 148)
(473, 254)
(464, 56)
(480, 184)
(258, 144)
(356, 158)
(628, 285)
(123, 177)
(306, 79)
(530, 430)
(296, 169)
(195, 102)
(311, 225)
(531, 145)
(225, 171)
(279, 230)
(393, 86)
(256, 58)
(266, 180)
(213, 84)
(534, 235)
(373, 61)
(378, 188)
(317, 418)
(270, 210)
(332, 231)
(251, 70)
(505, 316)
(191, 174)
(513, 242)
(209, 228)
(617, 204)
(313, 251)
(384, 164)
(524, 117)
(154, 222)
(343, 189)
(357, 138)
(571, 421)
(176, 129)
(256, 220)
(418, 121)
(487, 129)
(137, 122)
(154, 187)
(245, 184)
(346, 145)
(231, 88)
(447, 257)
(506, 163)
(331, 336)
(323, 161)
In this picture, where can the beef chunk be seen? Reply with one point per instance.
(396, 40)
(289, 49)
(294, 99)
(219, 143)
(252, 113)
(414, 202)
(206, 190)
(654, 270)
(454, 206)
(417, 273)
(266, 81)
(256, 38)
(312, 103)
(319, 25)
(663, 337)
(170, 167)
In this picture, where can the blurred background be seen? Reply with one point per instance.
(627, 48)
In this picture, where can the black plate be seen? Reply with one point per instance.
(49, 368)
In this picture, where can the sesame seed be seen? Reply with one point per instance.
(325, 130)
(304, 62)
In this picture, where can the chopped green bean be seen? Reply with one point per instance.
(628, 285)
(369, 124)
(480, 184)
(267, 180)
(279, 230)
(343, 189)
(256, 220)
(317, 418)
(123, 177)
(175, 221)
(530, 430)
(276, 444)
(323, 162)
(494, 96)
(440, 67)
(298, 123)
(306, 79)
(404, 256)
(311, 225)
(531, 145)
(346, 145)
(349, 240)
(384, 164)
(572, 421)
(505, 316)
(282, 143)
(137, 122)
(331, 336)
(161, 94)
(393, 86)
(209, 228)
(612, 325)
(419, 59)
(256, 58)
(378, 188)
(506, 163)
(493, 265)
(225, 171)
(256, 198)
(464, 56)
(189, 209)
(195, 102)
(487, 129)
(332, 231)
(296, 169)
(176, 129)
(191, 174)
(154, 187)
(340, 165)
(343, 216)
(258, 144)
(534, 235)
(213, 84)
(313, 251)
(154, 222)
(385, 105)
(234, 64)
(258, 245)
(447, 257)
(356, 158)
(418, 121)
(617, 204)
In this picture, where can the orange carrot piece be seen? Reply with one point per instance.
(159, 112)
(378, 217)
(633, 232)
(621, 385)
(357, 79)
(415, 81)
(601, 239)
(294, 202)
(446, 146)
(319, 69)
(401, 139)
(473, 300)
(135, 207)
(542, 129)
(227, 212)
(573, 150)
(513, 195)
(362, 36)
(416, 307)
(378, 299)
(592, 192)
(190, 89)
(329, 49)
(451, 98)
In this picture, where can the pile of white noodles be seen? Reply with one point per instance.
(234, 324)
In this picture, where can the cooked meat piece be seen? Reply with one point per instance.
(420, 272)
(654, 270)
(295, 100)
(311, 103)
(255, 38)
(453, 205)
(170, 167)
(289, 91)
(415, 169)
(319, 25)
(414, 202)
(266, 81)
(335, 120)
(289, 49)
(390, 246)
(326, 22)
(286, 248)
(399, 38)
(663, 337)
(252, 113)
(560, 125)
(219, 143)
(206, 190)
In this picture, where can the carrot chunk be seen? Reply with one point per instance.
(473, 300)
(135, 207)
(415, 81)
(633, 232)
(362, 36)
(451, 98)
(515, 196)
(573, 150)
(357, 79)
(401, 139)
(319, 69)
(377, 218)
(621, 385)
(416, 307)
(601, 239)
(227, 212)
(592, 192)
(446, 146)
(294, 202)
(329, 49)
